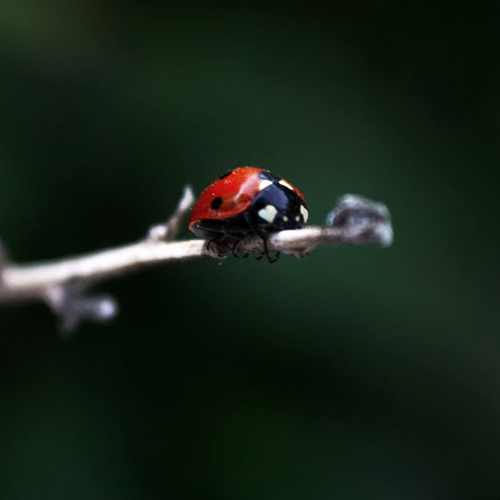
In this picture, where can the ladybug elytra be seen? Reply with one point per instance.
(247, 200)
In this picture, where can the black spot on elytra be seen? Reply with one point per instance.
(216, 203)
(223, 176)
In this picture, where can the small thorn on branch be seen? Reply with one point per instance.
(170, 230)
(72, 306)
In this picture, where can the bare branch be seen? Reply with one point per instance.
(24, 282)
(63, 284)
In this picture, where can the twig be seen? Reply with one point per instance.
(63, 284)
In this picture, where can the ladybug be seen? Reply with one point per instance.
(247, 200)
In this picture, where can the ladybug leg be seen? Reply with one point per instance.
(214, 241)
(234, 247)
(270, 259)
(275, 259)
(225, 245)
(258, 231)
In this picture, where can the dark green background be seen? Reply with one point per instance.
(358, 373)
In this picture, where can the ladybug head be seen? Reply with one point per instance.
(278, 207)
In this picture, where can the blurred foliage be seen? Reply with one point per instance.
(358, 373)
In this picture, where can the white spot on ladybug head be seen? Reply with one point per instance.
(285, 218)
(284, 183)
(304, 212)
(297, 218)
(264, 184)
(268, 213)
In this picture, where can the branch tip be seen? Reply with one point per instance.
(363, 221)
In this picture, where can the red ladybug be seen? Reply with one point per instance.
(247, 200)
